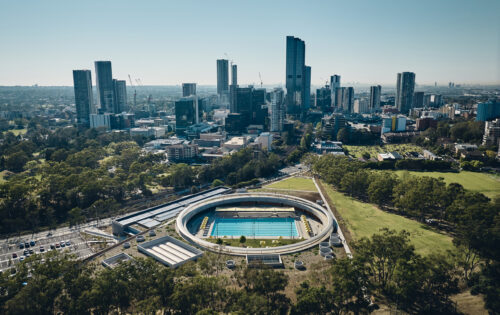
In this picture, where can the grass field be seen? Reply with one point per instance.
(373, 150)
(294, 183)
(364, 220)
(17, 132)
(479, 182)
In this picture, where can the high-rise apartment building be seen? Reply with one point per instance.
(188, 89)
(84, 101)
(105, 88)
(277, 110)
(307, 88)
(348, 102)
(418, 100)
(295, 74)
(375, 92)
(120, 96)
(334, 84)
(405, 89)
(222, 77)
(187, 113)
(339, 97)
(323, 99)
(234, 75)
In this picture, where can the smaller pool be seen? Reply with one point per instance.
(254, 227)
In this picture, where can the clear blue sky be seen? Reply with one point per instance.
(170, 42)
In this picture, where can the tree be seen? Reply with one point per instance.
(217, 182)
(243, 239)
(15, 162)
(343, 135)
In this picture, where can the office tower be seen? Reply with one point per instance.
(295, 74)
(398, 93)
(234, 75)
(104, 83)
(277, 110)
(188, 89)
(307, 88)
(375, 92)
(244, 103)
(82, 80)
(222, 77)
(187, 113)
(405, 90)
(259, 112)
(348, 101)
(418, 100)
(334, 84)
(120, 96)
(488, 110)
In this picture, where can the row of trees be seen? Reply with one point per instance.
(385, 264)
(474, 217)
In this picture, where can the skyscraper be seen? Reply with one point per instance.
(120, 96)
(375, 92)
(277, 110)
(334, 84)
(339, 98)
(295, 74)
(82, 80)
(405, 90)
(418, 99)
(307, 88)
(348, 102)
(186, 113)
(222, 77)
(188, 89)
(234, 75)
(105, 89)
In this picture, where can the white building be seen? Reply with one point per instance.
(100, 120)
(277, 110)
(265, 140)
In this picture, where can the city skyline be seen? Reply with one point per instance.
(441, 41)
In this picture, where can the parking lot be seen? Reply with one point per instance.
(77, 247)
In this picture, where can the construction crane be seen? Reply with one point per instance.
(260, 77)
(135, 92)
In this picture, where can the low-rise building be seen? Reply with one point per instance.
(389, 156)
(491, 132)
(430, 156)
(265, 140)
(182, 152)
(325, 147)
(236, 143)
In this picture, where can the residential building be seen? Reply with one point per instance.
(491, 132)
(182, 152)
(100, 120)
(488, 110)
(265, 140)
(418, 99)
(234, 74)
(277, 110)
(188, 89)
(120, 96)
(295, 74)
(334, 84)
(348, 99)
(222, 77)
(332, 124)
(426, 123)
(307, 89)
(361, 106)
(105, 88)
(323, 99)
(393, 123)
(375, 92)
(405, 89)
(84, 101)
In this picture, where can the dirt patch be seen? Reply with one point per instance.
(469, 304)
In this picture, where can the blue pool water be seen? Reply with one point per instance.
(251, 227)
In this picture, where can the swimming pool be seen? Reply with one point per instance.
(254, 227)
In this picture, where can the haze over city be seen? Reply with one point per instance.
(167, 43)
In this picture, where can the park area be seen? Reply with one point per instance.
(358, 150)
(485, 183)
(364, 219)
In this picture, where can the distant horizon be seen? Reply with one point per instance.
(363, 41)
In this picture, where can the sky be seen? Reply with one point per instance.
(170, 42)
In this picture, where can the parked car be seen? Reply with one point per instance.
(52, 246)
(32, 252)
(21, 258)
(14, 255)
(57, 245)
(42, 249)
(21, 245)
(32, 243)
(27, 245)
(63, 244)
(140, 238)
(68, 243)
(26, 252)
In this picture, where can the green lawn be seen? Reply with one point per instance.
(294, 183)
(480, 182)
(364, 220)
(17, 132)
(374, 150)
